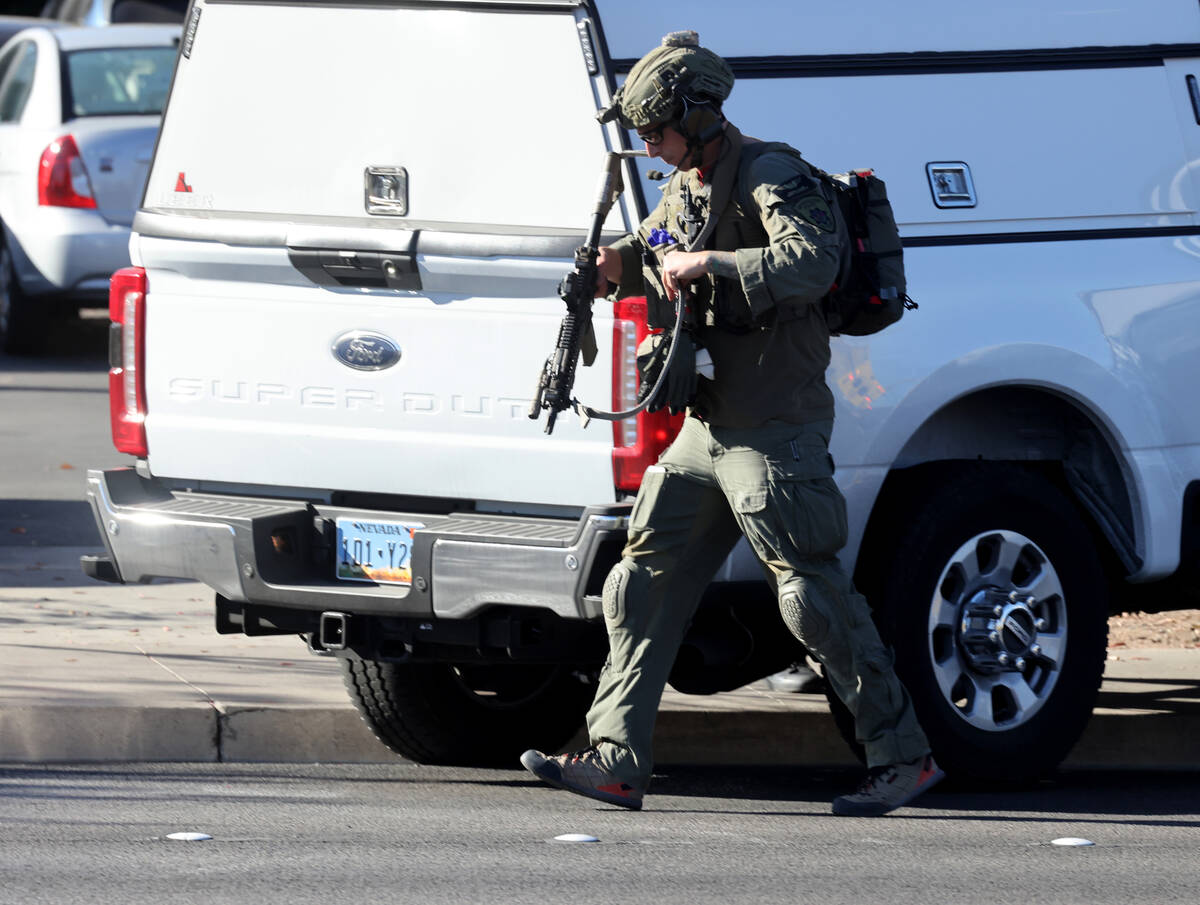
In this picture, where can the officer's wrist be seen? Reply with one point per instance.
(721, 263)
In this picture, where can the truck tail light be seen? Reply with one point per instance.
(127, 360)
(638, 441)
(62, 178)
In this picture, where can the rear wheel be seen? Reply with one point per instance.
(468, 715)
(995, 601)
(20, 323)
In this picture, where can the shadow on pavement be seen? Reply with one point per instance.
(1181, 696)
(48, 523)
(1085, 797)
(1099, 796)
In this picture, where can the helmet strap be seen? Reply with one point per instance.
(698, 138)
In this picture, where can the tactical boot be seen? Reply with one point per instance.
(890, 787)
(582, 773)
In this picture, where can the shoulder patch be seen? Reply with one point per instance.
(816, 210)
(780, 179)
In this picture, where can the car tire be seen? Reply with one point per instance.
(479, 715)
(20, 321)
(994, 598)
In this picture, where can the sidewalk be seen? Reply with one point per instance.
(98, 672)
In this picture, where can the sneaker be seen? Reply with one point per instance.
(887, 788)
(582, 773)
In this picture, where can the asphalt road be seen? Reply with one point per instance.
(404, 833)
(54, 425)
(431, 835)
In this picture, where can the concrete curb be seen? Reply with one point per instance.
(53, 734)
(804, 736)
(92, 672)
(802, 733)
(213, 734)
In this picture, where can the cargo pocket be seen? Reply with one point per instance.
(757, 516)
(747, 487)
(643, 505)
(748, 502)
(811, 508)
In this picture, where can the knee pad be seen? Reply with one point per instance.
(806, 614)
(623, 589)
(822, 620)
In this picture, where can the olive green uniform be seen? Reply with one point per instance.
(752, 459)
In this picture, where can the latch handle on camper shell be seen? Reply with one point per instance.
(362, 269)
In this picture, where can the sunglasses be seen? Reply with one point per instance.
(653, 136)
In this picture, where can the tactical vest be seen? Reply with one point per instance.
(772, 368)
(721, 301)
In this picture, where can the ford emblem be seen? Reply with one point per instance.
(365, 351)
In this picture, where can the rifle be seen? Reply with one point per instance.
(577, 291)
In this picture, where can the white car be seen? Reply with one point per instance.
(79, 113)
(110, 12)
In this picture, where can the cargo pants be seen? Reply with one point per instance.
(773, 484)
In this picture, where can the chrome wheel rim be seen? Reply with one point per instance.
(997, 630)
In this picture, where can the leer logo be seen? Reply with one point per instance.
(181, 184)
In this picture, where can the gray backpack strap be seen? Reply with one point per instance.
(751, 151)
(723, 185)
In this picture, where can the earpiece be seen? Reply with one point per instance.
(700, 121)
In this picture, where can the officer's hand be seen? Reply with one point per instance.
(679, 385)
(680, 268)
(609, 268)
(681, 378)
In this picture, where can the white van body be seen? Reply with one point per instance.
(1043, 161)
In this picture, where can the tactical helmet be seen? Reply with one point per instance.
(677, 74)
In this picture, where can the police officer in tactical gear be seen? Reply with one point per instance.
(748, 239)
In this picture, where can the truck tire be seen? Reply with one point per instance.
(20, 322)
(994, 599)
(468, 715)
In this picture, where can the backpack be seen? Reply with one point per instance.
(873, 294)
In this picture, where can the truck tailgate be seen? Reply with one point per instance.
(244, 382)
(269, 361)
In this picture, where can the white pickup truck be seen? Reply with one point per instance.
(344, 287)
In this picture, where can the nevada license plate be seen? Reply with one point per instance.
(379, 552)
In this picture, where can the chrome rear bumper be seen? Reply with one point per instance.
(280, 552)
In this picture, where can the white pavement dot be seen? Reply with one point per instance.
(575, 837)
(189, 837)
(1071, 840)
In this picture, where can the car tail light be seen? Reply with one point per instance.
(127, 360)
(62, 177)
(638, 441)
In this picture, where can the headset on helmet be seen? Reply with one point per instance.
(678, 82)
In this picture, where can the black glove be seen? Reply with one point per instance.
(680, 384)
